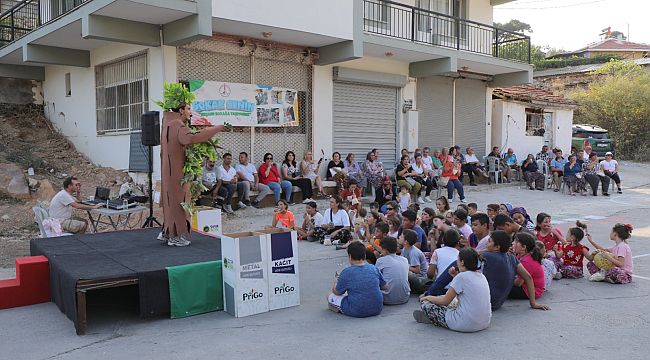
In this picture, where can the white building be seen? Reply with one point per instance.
(525, 118)
(369, 73)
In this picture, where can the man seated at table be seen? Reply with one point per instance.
(64, 201)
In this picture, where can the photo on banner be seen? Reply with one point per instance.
(245, 104)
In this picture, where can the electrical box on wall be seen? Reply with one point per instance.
(411, 133)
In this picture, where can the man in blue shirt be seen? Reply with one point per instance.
(557, 168)
(357, 291)
(510, 162)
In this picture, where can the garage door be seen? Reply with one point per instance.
(435, 111)
(470, 115)
(364, 119)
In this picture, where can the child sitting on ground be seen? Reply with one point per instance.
(418, 264)
(360, 226)
(357, 291)
(373, 248)
(473, 208)
(444, 256)
(394, 269)
(531, 258)
(404, 198)
(616, 265)
(473, 312)
(550, 271)
(573, 253)
(374, 206)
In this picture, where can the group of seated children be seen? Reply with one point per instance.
(464, 272)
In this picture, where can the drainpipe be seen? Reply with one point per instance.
(162, 54)
(453, 111)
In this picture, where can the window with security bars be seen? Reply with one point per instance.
(534, 122)
(122, 94)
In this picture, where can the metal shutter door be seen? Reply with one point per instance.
(434, 95)
(470, 115)
(364, 119)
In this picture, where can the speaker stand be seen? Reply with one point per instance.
(151, 220)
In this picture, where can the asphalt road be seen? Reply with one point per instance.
(587, 320)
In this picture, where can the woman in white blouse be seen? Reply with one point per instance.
(310, 170)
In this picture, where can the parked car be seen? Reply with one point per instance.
(596, 136)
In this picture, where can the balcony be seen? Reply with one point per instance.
(422, 26)
(29, 15)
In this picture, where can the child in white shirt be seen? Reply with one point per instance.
(404, 198)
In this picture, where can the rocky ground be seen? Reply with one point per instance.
(29, 139)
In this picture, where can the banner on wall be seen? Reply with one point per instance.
(245, 104)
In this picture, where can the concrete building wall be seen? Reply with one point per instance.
(75, 115)
(16, 91)
(509, 129)
(323, 92)
(331, 18)
(562, 123)
(480, 11)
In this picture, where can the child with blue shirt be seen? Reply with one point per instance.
(357, 291)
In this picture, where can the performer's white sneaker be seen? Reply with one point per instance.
(178, 241)
(162, 237)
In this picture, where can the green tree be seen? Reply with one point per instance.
(515, 25)
(620, 102)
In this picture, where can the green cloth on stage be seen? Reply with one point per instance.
(195, 288)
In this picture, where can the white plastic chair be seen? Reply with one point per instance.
(494, 168)
(543, 166)
(41, 214)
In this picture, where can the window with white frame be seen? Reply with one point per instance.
(535, 122)
(122, 93)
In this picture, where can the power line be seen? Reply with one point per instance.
(551, 7)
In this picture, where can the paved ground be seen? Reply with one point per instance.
(587, 320)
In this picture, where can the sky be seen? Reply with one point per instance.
(572, 24)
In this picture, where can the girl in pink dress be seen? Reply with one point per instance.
(620, 256)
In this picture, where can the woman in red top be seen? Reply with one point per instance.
(547, 233)
(531, 258)
(451, 170)
(573, 253)
(551, 237)
(270, 176)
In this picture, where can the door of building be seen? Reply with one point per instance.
(365, 118)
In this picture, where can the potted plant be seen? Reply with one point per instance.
(175, 94)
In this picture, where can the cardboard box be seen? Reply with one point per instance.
(284, 276)
(245, 273)
(207, 220)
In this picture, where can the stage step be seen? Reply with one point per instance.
(31, 285)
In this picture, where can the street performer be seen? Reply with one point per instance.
(176, 135)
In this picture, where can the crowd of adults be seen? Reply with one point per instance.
(413, 178)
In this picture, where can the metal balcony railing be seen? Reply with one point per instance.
(29, 15)
(428, 27)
